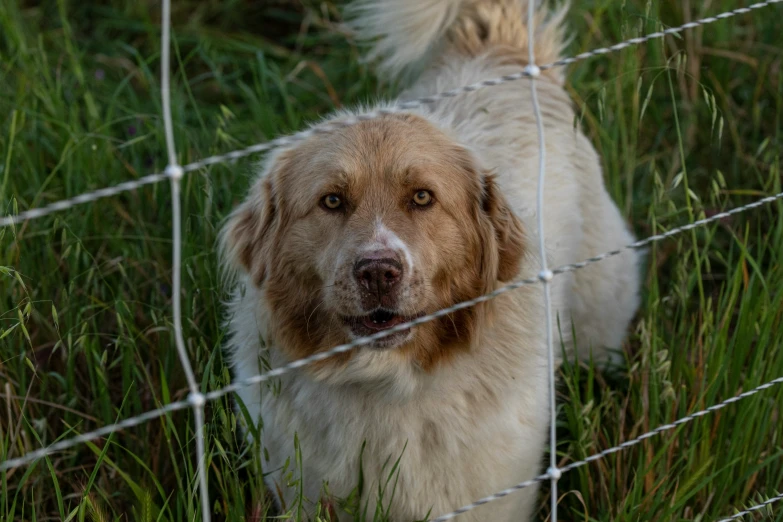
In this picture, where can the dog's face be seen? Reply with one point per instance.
(353, 232)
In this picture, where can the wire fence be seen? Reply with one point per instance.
(325, 127)
(175, 173)
(546, 275)
(197, 400)
(754, 509)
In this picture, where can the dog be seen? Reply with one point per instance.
(355, 231)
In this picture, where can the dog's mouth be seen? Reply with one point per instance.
(378, 321)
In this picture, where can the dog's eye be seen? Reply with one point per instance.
(332, 202)
(422, 198)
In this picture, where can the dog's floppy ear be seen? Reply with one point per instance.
(509, 234)
(245, 237)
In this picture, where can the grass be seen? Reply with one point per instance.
(685, 126)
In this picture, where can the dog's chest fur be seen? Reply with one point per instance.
(463, 432)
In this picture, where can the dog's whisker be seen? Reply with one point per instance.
(307, 322)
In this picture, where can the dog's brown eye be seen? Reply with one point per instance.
(422, 198)
(332, 201)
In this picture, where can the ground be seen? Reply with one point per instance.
(685, 126)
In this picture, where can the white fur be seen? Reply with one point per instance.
(402, 32)
(384, 238)
(463, 432)
(477, 424)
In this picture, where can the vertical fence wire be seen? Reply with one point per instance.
(545, 275)
(175, 173)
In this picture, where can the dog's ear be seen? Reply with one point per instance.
(509, 234)
(245, 237)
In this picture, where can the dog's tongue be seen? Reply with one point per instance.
(382, 322)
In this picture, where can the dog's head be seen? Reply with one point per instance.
(355, 231)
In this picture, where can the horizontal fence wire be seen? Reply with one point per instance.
(181, 405)
(174, 172)
(361, 341)
(346, 122)
(610, 451)
(751, 510)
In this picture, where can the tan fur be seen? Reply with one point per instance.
(499, 30)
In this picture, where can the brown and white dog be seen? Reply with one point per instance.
(353, 232)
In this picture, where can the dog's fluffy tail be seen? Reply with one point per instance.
(403, 32)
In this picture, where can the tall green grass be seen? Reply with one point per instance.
(685, 127)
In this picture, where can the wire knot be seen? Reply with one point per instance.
(175, 172)
(197, 400)
(545, 276)
(532, 70)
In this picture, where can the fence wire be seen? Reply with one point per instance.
(545, 275)
(174, 172)
(754, 509)
(610, 451)
(362, 341)
(285, 141)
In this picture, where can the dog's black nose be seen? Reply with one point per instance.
(379, 272)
